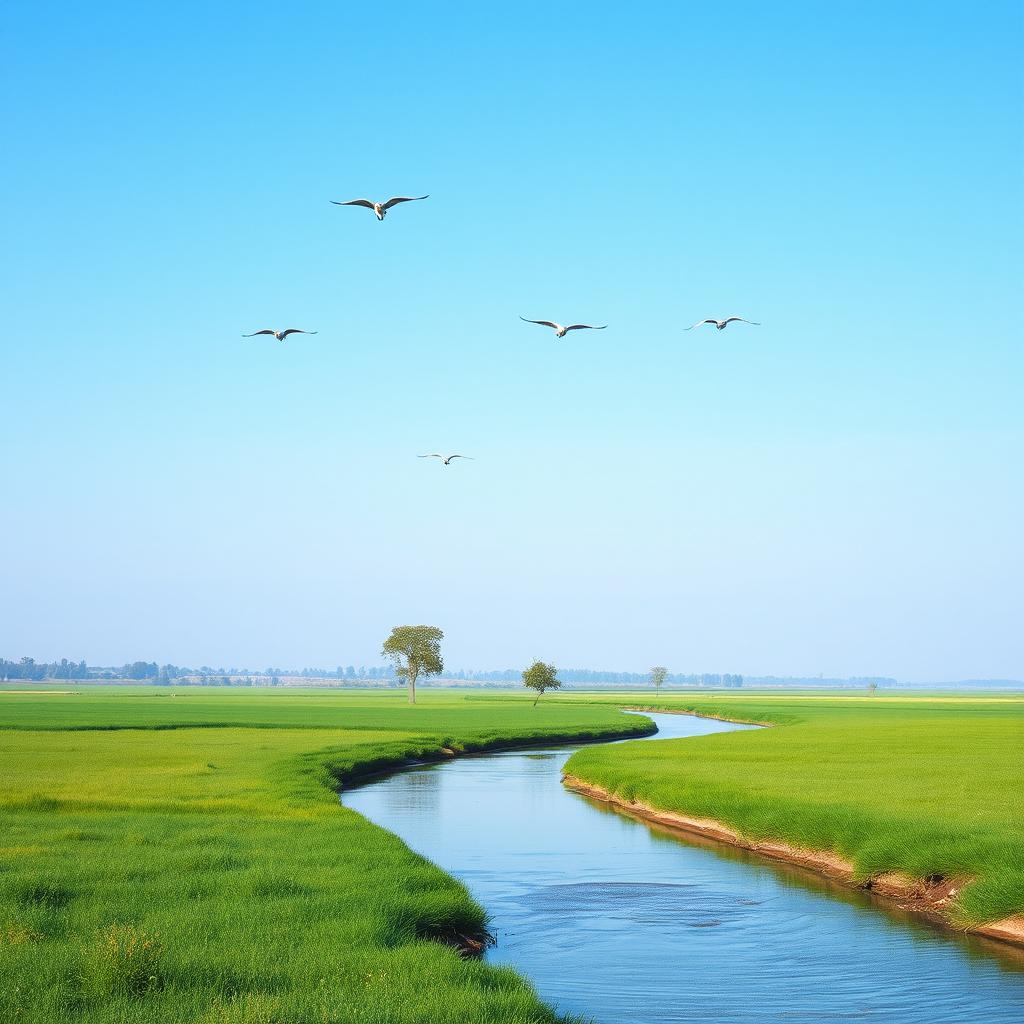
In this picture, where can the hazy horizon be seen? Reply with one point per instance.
(477, 675)
(837, 491)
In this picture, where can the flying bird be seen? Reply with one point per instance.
(280, 335)
(560, 331)
(381, 209)
(445, 459)
(722, 324)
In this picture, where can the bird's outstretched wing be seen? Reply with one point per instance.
(543, 323)
(253, 335)
(432, 455)
(355, 202)
(585, 327)
(742, 321)
(701, 322)
(395, 200)
(450, 457)
(295, 330)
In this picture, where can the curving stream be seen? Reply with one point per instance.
(622, 922)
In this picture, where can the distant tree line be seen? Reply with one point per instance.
(589, 675)
(152, 672)
(820, 682)
(30, 669)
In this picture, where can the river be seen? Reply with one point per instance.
(621, 921)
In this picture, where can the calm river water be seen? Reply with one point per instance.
(623, 922)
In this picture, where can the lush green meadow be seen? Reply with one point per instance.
(179, 856)
(924, 785)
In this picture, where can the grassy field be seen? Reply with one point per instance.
(179, 856)
(924, 785)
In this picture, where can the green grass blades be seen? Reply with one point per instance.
(179, 856)
(931, 785)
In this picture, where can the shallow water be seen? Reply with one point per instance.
(625, 922)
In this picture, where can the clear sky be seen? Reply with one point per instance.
(839, 490)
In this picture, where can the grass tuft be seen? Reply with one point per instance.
(122, 961)
(42, 894)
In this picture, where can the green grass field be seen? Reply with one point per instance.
(179, 856)
(923, 785)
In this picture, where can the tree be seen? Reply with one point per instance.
(415, 651)
(658, 674)
(541, 677)
(871, 688)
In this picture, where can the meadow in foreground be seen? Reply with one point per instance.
(923, 785)
(179, 856)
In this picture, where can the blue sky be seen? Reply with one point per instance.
(836, 491)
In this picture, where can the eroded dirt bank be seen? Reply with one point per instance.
(932, 897)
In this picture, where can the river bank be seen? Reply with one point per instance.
(617, 919)
(933, 896)
(345, 775)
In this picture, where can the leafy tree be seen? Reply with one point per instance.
(415, 651)
(540, 677)
(141, 670)
(658, 674)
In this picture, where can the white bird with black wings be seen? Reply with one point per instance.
(560, 331)
(446, 459)
(280, 335)
(722, 324)
(381, 209)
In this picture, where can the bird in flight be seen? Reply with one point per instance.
(561, 331)
(446, 459)
(280, 335)
(722, 324)
(381, 209)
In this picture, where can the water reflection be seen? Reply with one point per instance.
(422, 795)
(623, 921)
